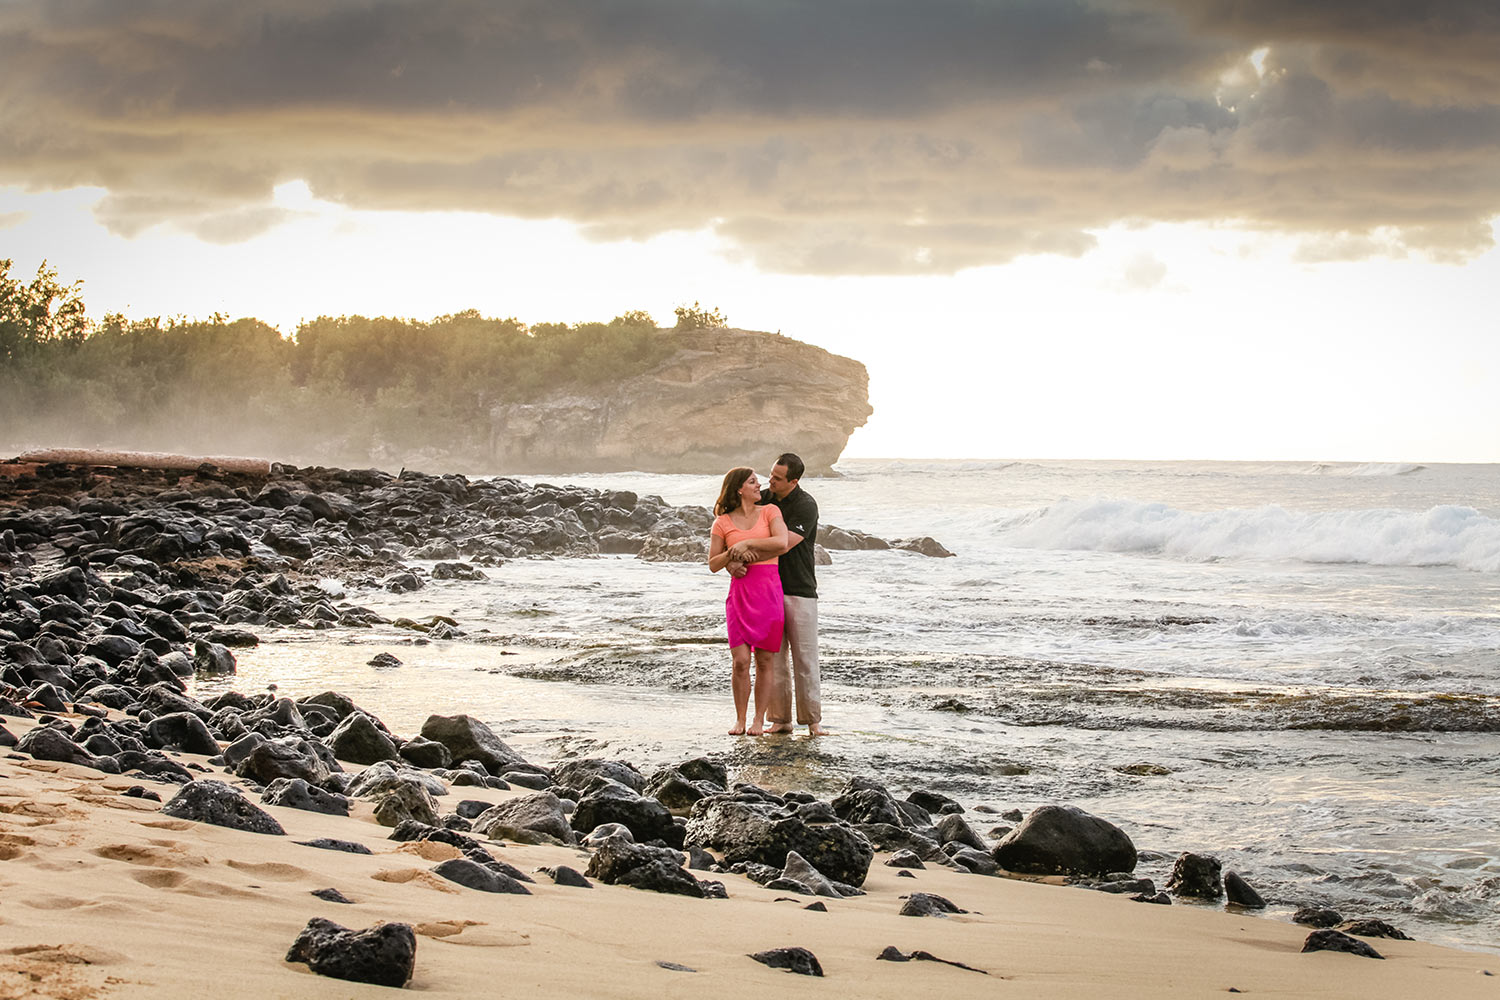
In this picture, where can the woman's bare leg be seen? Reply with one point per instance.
(739, 683)
(765, 681)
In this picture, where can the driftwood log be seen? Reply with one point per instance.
(139, 460)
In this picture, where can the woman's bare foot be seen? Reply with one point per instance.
(738, 730)
(756, 730)
(781, 727)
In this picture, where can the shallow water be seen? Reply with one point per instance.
(1312, 653)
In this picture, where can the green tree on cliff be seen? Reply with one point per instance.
(41, 313)
(695, 317)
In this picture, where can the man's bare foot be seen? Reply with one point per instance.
(815, 729)
(781, 727)
(738, 730)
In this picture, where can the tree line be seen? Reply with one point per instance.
(347, 390)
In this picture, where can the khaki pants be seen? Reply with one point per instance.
(796, 666)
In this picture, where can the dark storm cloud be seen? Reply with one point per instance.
(821, 137)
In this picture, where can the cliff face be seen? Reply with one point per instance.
(723, 398)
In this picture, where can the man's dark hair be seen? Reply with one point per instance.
(794, 466)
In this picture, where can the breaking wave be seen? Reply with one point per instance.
(1442, 536)
(1386, 469)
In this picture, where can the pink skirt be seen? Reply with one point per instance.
(754, 608)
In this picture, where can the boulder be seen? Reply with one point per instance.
(953, 829)
(469, 739)
(358, 740)
(213, 658)
(702, 770)
(1317, 916)
(799, 961)
(474, 875)
(1065, 840)
(965, 857)
(528, 819)
(406, 801)
(1373, 927)
(868, 805)
(182, 731)
(421, 752)
(47, 743)
(934, 802)
(609, 802)
(163, 698)
(563, 875)
(278, 759)
(1239, 892)
(377, 779)
(579, 773)
(928, 904)
(746, 831)
(617, 861)
(295, 793)
(1327, 940)
(672, 789)
(209, 801)
(798, 870)
(384, 954)
(1196, 876)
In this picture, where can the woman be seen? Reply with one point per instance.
(753, 609)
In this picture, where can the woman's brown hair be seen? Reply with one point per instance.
(729, 494)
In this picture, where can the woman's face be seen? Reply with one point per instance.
(750, 492)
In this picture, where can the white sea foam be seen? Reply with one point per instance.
(1386, 469)
(1442, 536)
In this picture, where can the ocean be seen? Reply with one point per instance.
(1292, 667)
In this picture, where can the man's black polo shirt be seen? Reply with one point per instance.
(800, 512)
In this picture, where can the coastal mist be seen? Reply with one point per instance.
(1294, 668)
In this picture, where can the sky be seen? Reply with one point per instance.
(1135, 229)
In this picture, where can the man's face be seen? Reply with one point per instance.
(780, 485)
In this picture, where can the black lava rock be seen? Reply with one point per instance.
(214, 802)
(295, 793)
(1239, 892)
(331, 844)
(563, 875)
(927, 904)
(1317, 916)
(383, 955)
(1326, 940)
(477, 876)
(658, 869)
(1373, 927)
(1196, 876)
(1065, 840)
(797, 960)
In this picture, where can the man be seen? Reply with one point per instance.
(796, 665)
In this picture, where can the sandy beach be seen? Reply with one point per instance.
(103, 895)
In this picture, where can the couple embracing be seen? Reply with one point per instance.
(765, 540)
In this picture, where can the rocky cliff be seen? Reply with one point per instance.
(723, 398)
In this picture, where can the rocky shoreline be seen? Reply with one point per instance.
(117, 584)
